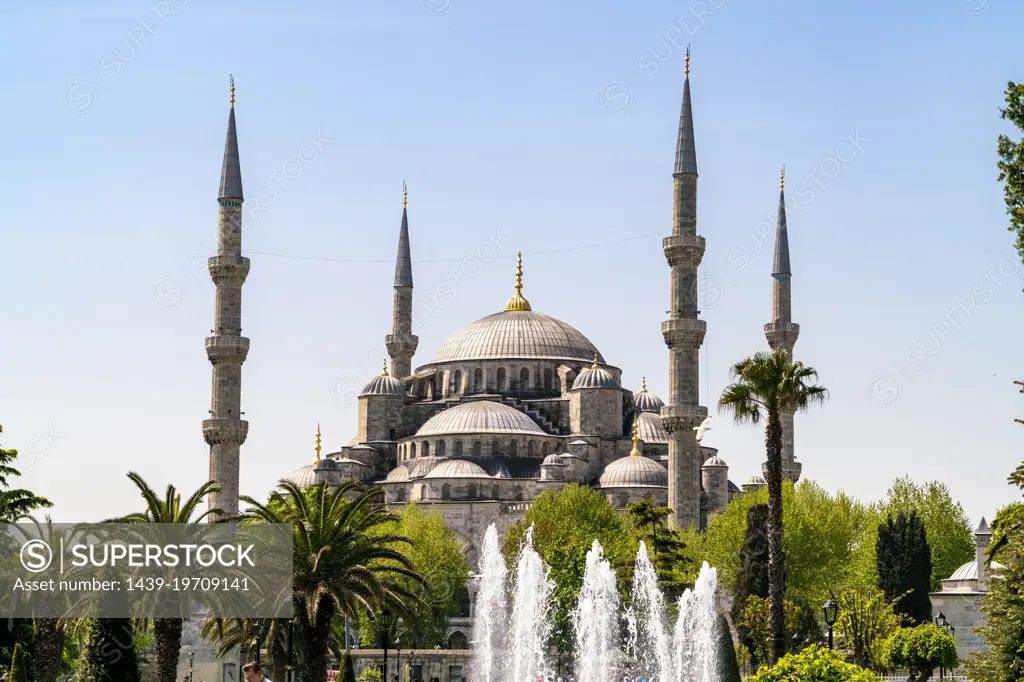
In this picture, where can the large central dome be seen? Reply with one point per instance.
(517, 334)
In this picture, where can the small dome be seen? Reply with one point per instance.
(398, 475)
(714, 461)
(647, 402)
(421, 466)
(650, 429)
(477, 417)
(755, 480)
(457, 468)
(595, 376)
(383, 385)
(327, 465)
(303, 477)
(634, 471)
(553, 461)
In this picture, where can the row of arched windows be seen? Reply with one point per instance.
(478, 449)
(472, 492)
(546, 380)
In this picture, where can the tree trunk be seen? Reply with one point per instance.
(315, 636)
(167, 637)
(279, 661)
(48, 649)
(776, 558)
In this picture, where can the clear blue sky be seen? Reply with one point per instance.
(555, 122)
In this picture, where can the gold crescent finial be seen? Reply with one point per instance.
(405, 194)
(384, 371)
(782, 178)
(643, 385)
(517, 302)
(635, 452)
(318, 442)
(595, 365)
(232, 91)
(687, 73)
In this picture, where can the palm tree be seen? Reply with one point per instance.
(231, 634)
(765, 387)
(170, 509)
(344, 560)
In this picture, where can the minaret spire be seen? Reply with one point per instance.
(401, 342)
(225, 431)
(518, 302)
(317, 443)
(781, 332)
(684, 331)
(635, 452)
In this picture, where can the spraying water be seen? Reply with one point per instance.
(490, 625)
(648, 641)
(695, 646)
(530, 627)
(596, 619)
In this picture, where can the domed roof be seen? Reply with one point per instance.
(383, 385)
(647, 402)
(651, 428)
(398, 475)
(421, 466)
(516, 334)
(327, 464)
(303, 477)
(480, 416)
(755, 480)
(715, 461)
(969, 571)
(457, 468)
(634, 471)
(595, 377)
(553, 461)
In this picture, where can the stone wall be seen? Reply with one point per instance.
(416, 665)
(963, 612)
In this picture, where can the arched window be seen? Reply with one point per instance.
(458, 381)
(524, 379)
(558, 383)
(501, 379)
(425, 449)
(529, 449)
(423, 492)
(545, 449)
(458, 448)
(623, 499)
(495, 448)
(441, 448)
(391, 434)
(458, 641)
(547, 379)
(477, 448)
(519, 494)
(471, 491)
(495, 492)
(515, 448)
(412, 449)
(478, 380)
(446, 492)
(400, 494)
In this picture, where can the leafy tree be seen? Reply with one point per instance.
(19, 665)
(865, 621)
(667, 549)
(230, 634)
(752, 579)
(766, 386)
(728, 665)
(370, 674)
(905, 567)
(344, 560)
(921, 650)
(565, 524)
(946, 524)
(801, 628)
(813, 664)
(15, 502)
(1011, 163)
(348, 671)
(110, 651)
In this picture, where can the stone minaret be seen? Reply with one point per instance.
(982, 539)
(781, 332)
(225, 430)
(401, 342)
(683, 331)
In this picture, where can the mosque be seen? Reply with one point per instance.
(515, 403)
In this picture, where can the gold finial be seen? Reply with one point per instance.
(595, 365)
(405, 194)
(317, 442)
(384, 371)
(643, 385)
(782, 178)
(635, 452)
(517, 302)
(232, 91)
(687, 73)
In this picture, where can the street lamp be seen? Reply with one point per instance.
(191, 658)
(386, 621)
(831, 610)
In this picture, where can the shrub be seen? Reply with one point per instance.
(348, 671)
(19, 665)
(921, 650)
(813, 664)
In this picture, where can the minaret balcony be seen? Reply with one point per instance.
(684, 250)
(684, 333)
(228, 269)
(781, 335)
(227, 349)
(400, 345)
(682, 417)
(220, 431)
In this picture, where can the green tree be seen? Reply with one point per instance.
(170, 510)
(946, 524)
(230, 634)
(752, 579)
(1011, 163)
(19, 665)
(348, 671)
(813, 664)
(565, 524)
(15, 503)
(344, 560)
(905, 567)
(728, 665)
(666, 548)
(921, 650)
(865, 621)
(109, 653)
(766, 386)
(801, 631)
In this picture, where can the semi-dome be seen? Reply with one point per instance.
(595, 377)
(457, 468)
(633, 471)
(383, 384)
(646, 401)
(651, 429)
(553, 460)
(482, 416)
(399, 474)
(421, 466)
(304, 476)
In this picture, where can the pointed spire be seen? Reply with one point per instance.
(781, 266)
(686, 152)
(517, 302)
(317, 442)
(384, 370)
(635, 452)
(403, 264)
(983, 528)
(231, 171)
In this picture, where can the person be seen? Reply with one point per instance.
(252, 672)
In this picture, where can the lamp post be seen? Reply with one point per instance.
(831, 610)
(258, 642)
(386, 621)
(191, 658)
(940, 621)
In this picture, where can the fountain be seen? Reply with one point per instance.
(511, 644)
